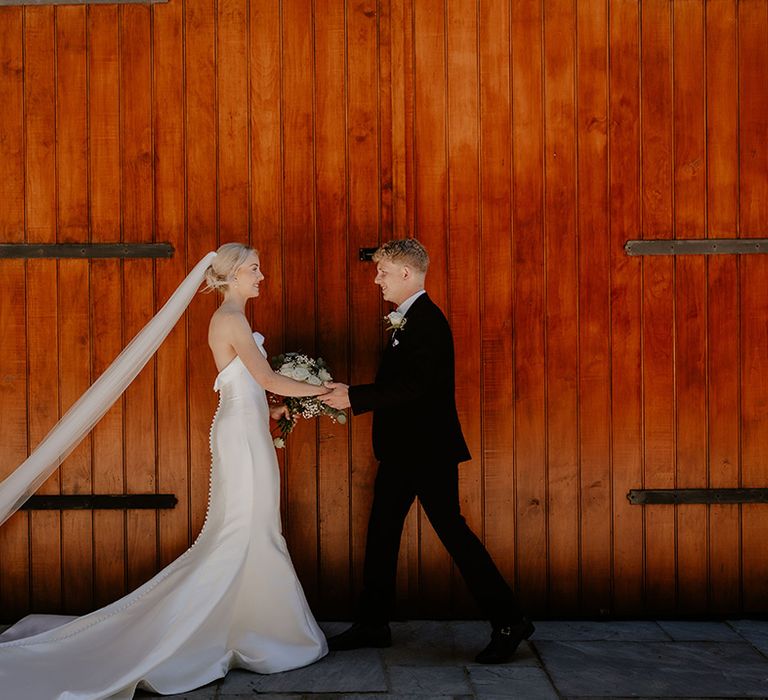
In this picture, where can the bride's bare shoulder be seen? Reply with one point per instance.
(226, 320)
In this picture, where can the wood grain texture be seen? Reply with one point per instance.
(74, 309)
(42, 316)
(594, 251)
(14, 536)
(524, 143)
(109, 572)
(753, 219)
(497, 285)
(626, 305)
(658, 341)
(723, 300)
(529, 303)
(561, 292)
(690, 299)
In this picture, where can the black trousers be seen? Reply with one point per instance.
(437, 488)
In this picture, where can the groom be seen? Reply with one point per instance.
(418, 441)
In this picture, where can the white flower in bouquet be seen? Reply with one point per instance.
(314, 372)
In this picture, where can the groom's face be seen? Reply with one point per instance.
(393, 279)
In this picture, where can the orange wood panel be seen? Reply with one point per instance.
(200, 119)
(753, 222)
(431, 198)
(266, 165)
(300, 269)
(138, 289)
(594, 308)
(232, 113)
(74, 309)
(106, 299)
(659, 400)
(383, 20)
(333, 486)
(529, 304)
(496, 286)
(14, 535)
(690, 299)
(561, 275)
(626, 309)
(464, 256)
(169, 221)
(723, 300)
(363, 231)
(42, 322)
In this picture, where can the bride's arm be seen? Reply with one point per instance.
(241, 339)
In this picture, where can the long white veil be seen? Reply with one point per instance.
(78, 421)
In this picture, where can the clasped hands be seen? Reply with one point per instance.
(337, 397)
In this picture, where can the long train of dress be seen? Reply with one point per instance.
(232, 600)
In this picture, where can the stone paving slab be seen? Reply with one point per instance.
(755, 632)
(651, 669)
(360, 670)
(696, 631)
(613, 630)
(491, 682)
(435, 680)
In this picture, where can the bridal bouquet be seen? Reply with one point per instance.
(303, 368)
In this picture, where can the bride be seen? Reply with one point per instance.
(232, 600)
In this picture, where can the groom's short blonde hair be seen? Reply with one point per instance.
(405, 251)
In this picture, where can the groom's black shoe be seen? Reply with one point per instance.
(361, 635)
(504, 642)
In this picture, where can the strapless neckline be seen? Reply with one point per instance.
(259, 338)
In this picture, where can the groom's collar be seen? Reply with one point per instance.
(403, 308)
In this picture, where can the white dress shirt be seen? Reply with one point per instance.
(403, 308)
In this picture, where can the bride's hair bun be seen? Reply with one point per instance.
(229, 258)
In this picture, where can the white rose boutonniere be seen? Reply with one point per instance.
(395, 321)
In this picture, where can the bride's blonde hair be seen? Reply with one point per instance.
(229, 258)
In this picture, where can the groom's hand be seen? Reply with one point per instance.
(338, 397)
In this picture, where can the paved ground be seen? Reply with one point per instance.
(432, 660)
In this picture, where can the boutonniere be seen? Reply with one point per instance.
(395, 321)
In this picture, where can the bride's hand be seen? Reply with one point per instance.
(281, 411)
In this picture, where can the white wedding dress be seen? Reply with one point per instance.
(232, 600)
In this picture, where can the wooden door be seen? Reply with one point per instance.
(524, 143)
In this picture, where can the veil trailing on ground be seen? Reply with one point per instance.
(78, 421)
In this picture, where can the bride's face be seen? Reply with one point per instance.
(249, 276)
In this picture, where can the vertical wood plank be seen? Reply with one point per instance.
(138, 290)
(432, 230)
(74, 311)
(497, 285)
(561, 275)
(169, 218)
(464, 256)
(753, 221)
(200, 116)
(266, 164)
(363, 231)
(594, 307)
(14, 535)
(42, 321)
(232, 109)
(332, 280)
(722, 150)
(300, 276)
(529, 302)
(106, 300)
(626, 305)
(690, 299)
(659, 400)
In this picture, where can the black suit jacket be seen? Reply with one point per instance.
(413, 397)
